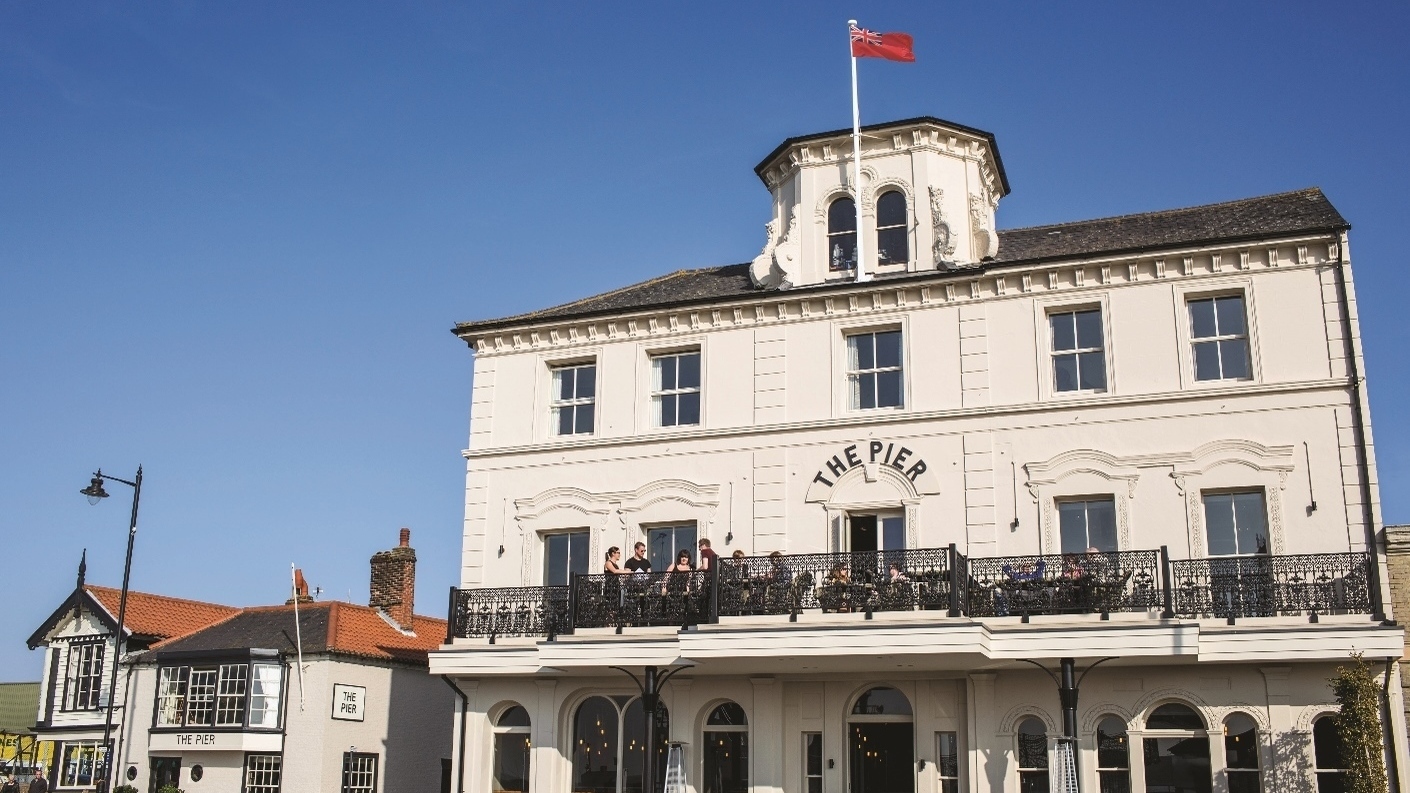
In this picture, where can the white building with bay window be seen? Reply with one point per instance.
(1141, 443)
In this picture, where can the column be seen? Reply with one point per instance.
(545, 762)
(767, 742)
(1282, 741)
(981, 735)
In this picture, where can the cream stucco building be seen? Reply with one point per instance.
(1143, 439)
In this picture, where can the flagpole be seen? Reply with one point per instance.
(298, 632)
(857, 159)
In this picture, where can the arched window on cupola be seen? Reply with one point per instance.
(842, 234)
(892, 231)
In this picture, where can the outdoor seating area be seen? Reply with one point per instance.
(926, 579)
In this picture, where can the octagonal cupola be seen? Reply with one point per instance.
(929, 189)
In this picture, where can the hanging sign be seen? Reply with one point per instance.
(349, 702)
(893, 459)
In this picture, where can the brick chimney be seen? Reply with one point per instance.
(393, 587)
(300, 589)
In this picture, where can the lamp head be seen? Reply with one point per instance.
(95, 491)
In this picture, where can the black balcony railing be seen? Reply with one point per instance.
(835, 582)
(1266, 586)
(509, 611)
(935, 579)
(1085, 583)
(641, 600)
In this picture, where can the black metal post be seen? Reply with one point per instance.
(452, 624)
(1166, 593)
(118, 640)
(650, 700)
(714, 616)
(572, 601)
(954, 555)
(1067, 697)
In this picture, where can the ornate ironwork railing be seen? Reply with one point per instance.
(836, 582)
(641, 599)
(939, 579)
(509, 611)
(1084, 583)
(1265, 586)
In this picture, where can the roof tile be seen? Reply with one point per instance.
(159, 616)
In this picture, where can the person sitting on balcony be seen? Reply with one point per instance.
(639, 563)
(836, 590)
(896, 574)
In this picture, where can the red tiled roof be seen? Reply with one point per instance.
(160, 616)
(327, 627)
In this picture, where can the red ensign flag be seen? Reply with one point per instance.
(891, 46)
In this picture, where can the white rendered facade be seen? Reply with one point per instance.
(988, 450)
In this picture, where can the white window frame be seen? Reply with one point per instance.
(546, 534)
(1087, 499)
(849, 374)
(555, 404)
(1219, 335)
(1217, 287)
(64, 780)
(828, 234)
(83, 675)
(1205, 494)
(1046, 372)
(908, 226)
(359, 773)
(657, 395)
(229, 693)
(267, 777)
(1078, 350)
(952, 782)
(809, 736)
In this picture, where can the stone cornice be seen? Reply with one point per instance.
(843, 298)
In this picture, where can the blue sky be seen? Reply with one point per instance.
(233, 237)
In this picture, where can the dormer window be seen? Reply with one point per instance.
(892, 232)
(842, 234)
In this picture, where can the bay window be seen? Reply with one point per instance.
(219, 695)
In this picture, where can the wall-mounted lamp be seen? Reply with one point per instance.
(922, 763)
(831, 763)
(501, 550)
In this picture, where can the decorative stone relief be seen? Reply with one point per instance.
(776, 266)
(981, 226)
(942, 248)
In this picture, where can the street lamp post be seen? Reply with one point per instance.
(1067, 681)
(96, 493)
(650, 685)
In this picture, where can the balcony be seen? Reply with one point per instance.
(927, 579)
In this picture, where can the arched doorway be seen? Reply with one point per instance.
(1176, 750)
(726, 751)
(609, 745)
(881, 743)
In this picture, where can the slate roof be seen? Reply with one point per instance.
(159, 616)
(1301, 211)
(326, 627)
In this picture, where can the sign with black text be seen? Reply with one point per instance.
(349, 702)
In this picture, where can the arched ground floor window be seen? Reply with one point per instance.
(609, 745)
(726, 751)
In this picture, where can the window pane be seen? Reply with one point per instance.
(511, 763)
(1089, 329)
(1072, 525)
(867, 383)
(1327, 744)
(948, 754)
(689, 409)
(1178, 765)
(888, 390)
(1065, 372)
(1093, 369)
(1234, 355)
(665, 366)
(1251, 522)
(578, 553)
(842, 252)
(888, 349)
(893, 533)
(841, 216)
(1202, 319)
(1064, 331)
(882, 700)
(666, 413)
(689, 371)
(892, 246)
(565, 420)
(595, 747)
(727, 715)
(1240, 742)
(1174, 716)
(265, 685)
(563, 383)
(1229, 314)
(1112, 749)
(634, 747)
(1032, 744)
(587, 382)
(583, 419)
(1101, 525)
(726, 762)
(1207, 361)
(865, 345)
(555, 560)
(891, 209)
(1219, 524)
